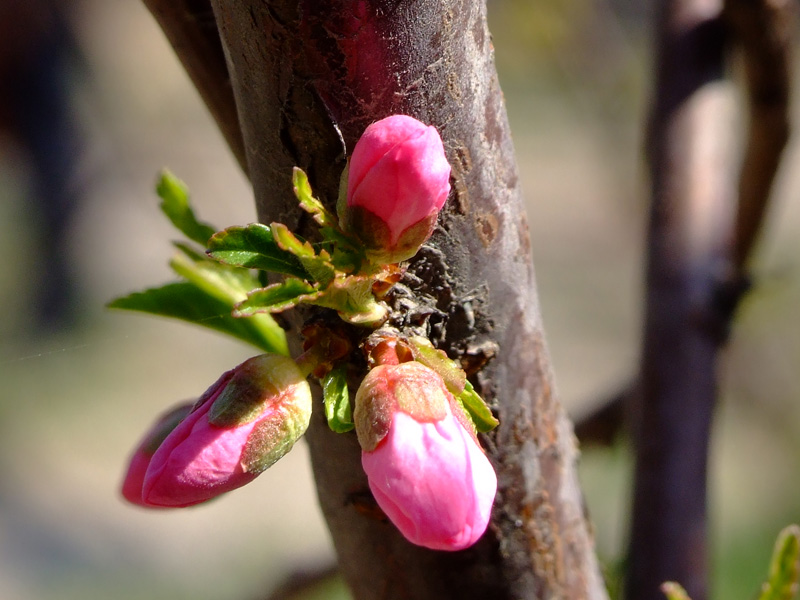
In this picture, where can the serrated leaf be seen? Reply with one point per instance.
(289, 242)
(253, 246)
(338, 410)
(187, 302)
(784, 568)
(225, 283)
(302, 189)
(477, 410)
(175, 203)
(318, 266)
(277, 297)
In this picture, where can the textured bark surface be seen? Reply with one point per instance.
(308, 77)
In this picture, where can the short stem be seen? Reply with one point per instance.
(309, 360)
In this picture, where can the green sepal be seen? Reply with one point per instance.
(187, 302)
(175, 204)
(338, 410)
(243, 399)
(476, 409)
(254, 246)
(456, 381)
(302, 189)
(353, 299)
(674, 591)
(316, 265)
(784, 568)
(277, 297)
(272, 439)
(454, 377)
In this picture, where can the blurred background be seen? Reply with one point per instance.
(93, 104)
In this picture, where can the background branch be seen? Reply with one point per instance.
(764, 33)
(699, 242)
(192, 31)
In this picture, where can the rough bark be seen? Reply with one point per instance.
(308, 77)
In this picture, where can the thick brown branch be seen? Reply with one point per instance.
(308, 77)
(190, 27)
(764, 32)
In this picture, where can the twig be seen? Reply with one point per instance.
(606, 420)
(191, 29)
(763, 31)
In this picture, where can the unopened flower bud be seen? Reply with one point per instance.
(239, 427)
(140, 459)
(397, 182)
(423, 462)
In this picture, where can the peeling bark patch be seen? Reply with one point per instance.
(543, 530)
(463, 158)
(486, 225)
(461, 194)
(453, 87)
(524, 239)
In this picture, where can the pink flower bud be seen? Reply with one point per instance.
(397, 182)
(425, 468)
(238, 428)
(140, 460)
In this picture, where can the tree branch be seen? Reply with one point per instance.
(698, 246)
(190, 27)
(308, 77)
(604, 422)
(764, 33)
(691, 217)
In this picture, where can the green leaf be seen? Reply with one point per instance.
(674, 591)
(784, 568)
(338, 410)
(353, 299)
(175, 203)
(225, 283)
(302, 189)
(187, 302)
(348, 255)
(277, 297)
(254, 246)
(476, 409)
(318, 266)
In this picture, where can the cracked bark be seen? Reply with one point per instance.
(308, 77)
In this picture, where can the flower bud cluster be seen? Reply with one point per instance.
(420, 452)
